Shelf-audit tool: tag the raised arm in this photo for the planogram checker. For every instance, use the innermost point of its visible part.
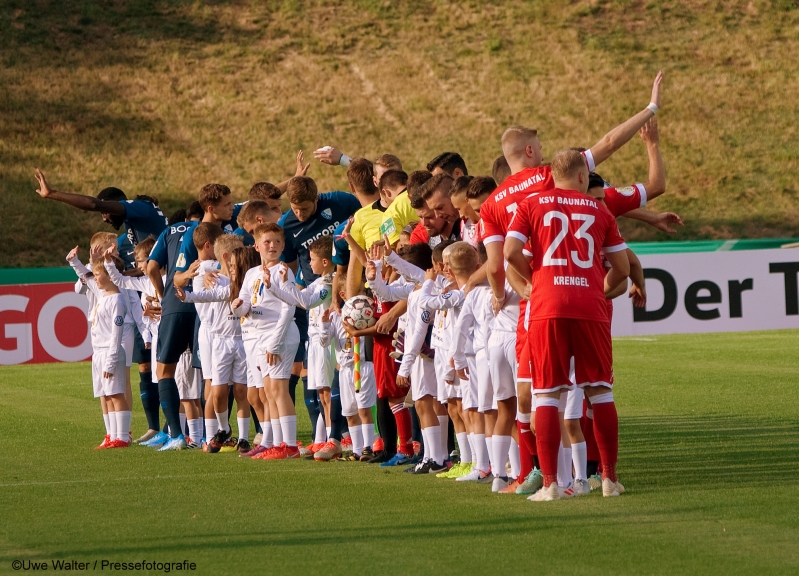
(405, 269)
(388, 292)
(314, 295)
(427, 299)
(622, 133)
(659, 220)
(656, 181)
(87, 203)
(137, 283)
(300, 170)
(216, 294)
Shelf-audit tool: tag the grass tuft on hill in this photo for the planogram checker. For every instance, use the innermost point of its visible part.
(162, 97)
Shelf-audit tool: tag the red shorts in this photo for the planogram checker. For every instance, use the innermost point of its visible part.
(385, 366)
(555, 341)
(524, 368)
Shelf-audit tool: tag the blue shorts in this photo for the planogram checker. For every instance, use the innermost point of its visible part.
(175, 336)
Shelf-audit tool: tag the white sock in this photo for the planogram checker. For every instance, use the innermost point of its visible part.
(277, 432)
(195, 429)
(222, 418)
(515, 461)
(106, 421)
(565, 467)
(211, 428)
(443, 424)
(436, 453)
(288, 425)
(490, 448)
(244, 427)
(368, 432)
(357, 440)
(266, 434)
(463, 446)
(112, 425)
(501, 447)
(473, 447)
(320, 437)
(483, 462)
(123, 425)
(182, 423)
(426, 442)
(580, 460)
(328, 430)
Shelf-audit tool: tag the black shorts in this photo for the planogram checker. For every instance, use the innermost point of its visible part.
(141, 355)
(175, 336)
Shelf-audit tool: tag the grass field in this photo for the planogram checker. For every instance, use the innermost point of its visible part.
(160, 97)
(709, 456)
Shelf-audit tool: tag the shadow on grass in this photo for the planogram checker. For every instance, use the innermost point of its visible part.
(674, 451)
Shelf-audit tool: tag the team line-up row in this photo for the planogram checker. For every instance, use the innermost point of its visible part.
(450, 309)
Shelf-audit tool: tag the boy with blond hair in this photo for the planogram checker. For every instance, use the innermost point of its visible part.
(316, 298)
(226, 361)
(277, 345)
(108, 358)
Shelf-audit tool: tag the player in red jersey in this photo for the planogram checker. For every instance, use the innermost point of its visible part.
(569, 232)
(522, 149)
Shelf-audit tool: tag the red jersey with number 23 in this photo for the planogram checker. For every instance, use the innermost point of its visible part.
(568, 232)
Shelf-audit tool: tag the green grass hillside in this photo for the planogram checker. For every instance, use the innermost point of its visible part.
(161, 97)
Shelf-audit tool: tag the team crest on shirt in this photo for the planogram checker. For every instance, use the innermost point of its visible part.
(426, 316)
(323, 293)
(327, 214)
(228, 228)
(119, 320)
(446, 295)
(626, 191)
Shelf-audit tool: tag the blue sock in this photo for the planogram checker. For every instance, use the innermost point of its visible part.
(148, 391)
(258, 429)
(336, 428)
(311, 404)
(170, 404)
(293, 380)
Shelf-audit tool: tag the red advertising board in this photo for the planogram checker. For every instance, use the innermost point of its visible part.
(43, 323)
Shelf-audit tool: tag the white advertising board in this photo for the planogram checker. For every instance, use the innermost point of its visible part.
(714, 292)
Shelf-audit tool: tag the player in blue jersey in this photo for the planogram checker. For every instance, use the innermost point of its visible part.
(141, 216)
(218, 208)
(312, 216)
(268, 196)
(175, 333)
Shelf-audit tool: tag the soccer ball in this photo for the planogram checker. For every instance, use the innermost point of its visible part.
(360, 312)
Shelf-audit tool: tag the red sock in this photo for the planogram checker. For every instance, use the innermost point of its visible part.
(526, 449)
(606, 430)
(547, 428)
(403, 417)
